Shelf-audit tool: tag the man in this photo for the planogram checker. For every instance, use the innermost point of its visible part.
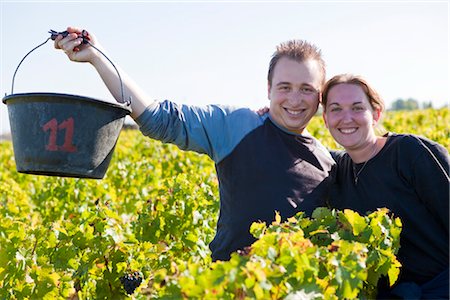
(264, 163)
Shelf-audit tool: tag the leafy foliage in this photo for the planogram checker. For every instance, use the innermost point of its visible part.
(333, 255)
(155, 212)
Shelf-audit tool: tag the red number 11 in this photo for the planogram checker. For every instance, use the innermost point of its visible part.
(53, 126)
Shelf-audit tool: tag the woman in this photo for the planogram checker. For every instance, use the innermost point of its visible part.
(403, 172)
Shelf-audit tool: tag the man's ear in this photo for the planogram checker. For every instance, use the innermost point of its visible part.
(268, 90)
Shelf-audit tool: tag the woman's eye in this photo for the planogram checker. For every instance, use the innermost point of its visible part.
(358, 108)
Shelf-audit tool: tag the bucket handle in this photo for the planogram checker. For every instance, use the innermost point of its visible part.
(54, 34)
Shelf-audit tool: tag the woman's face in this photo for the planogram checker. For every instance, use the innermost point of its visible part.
(349, 116)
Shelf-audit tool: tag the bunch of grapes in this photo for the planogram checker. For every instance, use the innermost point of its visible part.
(131, 281)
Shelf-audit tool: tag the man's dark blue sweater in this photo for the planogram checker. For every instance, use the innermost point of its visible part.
(261, 167)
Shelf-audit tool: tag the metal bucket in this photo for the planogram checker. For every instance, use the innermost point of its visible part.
(63, 135)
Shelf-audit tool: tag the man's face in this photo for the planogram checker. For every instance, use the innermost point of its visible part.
(294, 93)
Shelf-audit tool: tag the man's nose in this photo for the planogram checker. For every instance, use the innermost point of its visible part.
(295, 96)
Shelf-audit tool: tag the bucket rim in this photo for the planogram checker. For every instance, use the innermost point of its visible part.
(66, 97)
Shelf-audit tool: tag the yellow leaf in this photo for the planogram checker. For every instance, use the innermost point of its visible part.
(277, 218)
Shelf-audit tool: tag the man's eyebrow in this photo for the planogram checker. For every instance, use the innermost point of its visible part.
(334, 103)
(308, 85)
(283, 83)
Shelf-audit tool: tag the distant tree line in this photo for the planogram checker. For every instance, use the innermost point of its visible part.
(410, 104)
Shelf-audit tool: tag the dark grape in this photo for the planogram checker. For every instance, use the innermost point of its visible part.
(245, 251)
(131, 281)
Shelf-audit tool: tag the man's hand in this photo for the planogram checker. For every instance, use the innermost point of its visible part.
(75, 43)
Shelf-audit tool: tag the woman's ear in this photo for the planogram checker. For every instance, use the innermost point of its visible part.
(376, 114)
(324, 116)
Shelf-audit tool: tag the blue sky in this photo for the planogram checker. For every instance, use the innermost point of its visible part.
(202, 52)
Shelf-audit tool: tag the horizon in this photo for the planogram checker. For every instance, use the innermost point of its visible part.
(218, 52)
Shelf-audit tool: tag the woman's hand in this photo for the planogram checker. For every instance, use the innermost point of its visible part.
(262, 111)
(74, 48)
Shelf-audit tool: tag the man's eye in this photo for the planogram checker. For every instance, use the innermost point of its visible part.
(284, 88)
(307, 90)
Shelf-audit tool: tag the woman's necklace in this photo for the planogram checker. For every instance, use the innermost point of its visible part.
(356, 174)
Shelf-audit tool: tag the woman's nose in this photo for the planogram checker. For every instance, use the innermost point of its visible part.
(347, 116)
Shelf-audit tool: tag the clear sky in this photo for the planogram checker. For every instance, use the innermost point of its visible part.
(218, 52)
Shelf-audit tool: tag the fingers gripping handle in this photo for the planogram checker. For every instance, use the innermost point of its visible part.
(84, 35)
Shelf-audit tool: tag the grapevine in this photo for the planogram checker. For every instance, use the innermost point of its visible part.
(156, 211)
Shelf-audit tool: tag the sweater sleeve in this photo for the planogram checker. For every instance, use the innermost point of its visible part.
(337, 154)
(431, 181)
(213, 130)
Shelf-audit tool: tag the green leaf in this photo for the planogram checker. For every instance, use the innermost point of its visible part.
(357, 222)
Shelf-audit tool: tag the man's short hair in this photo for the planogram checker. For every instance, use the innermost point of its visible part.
(298, 50)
